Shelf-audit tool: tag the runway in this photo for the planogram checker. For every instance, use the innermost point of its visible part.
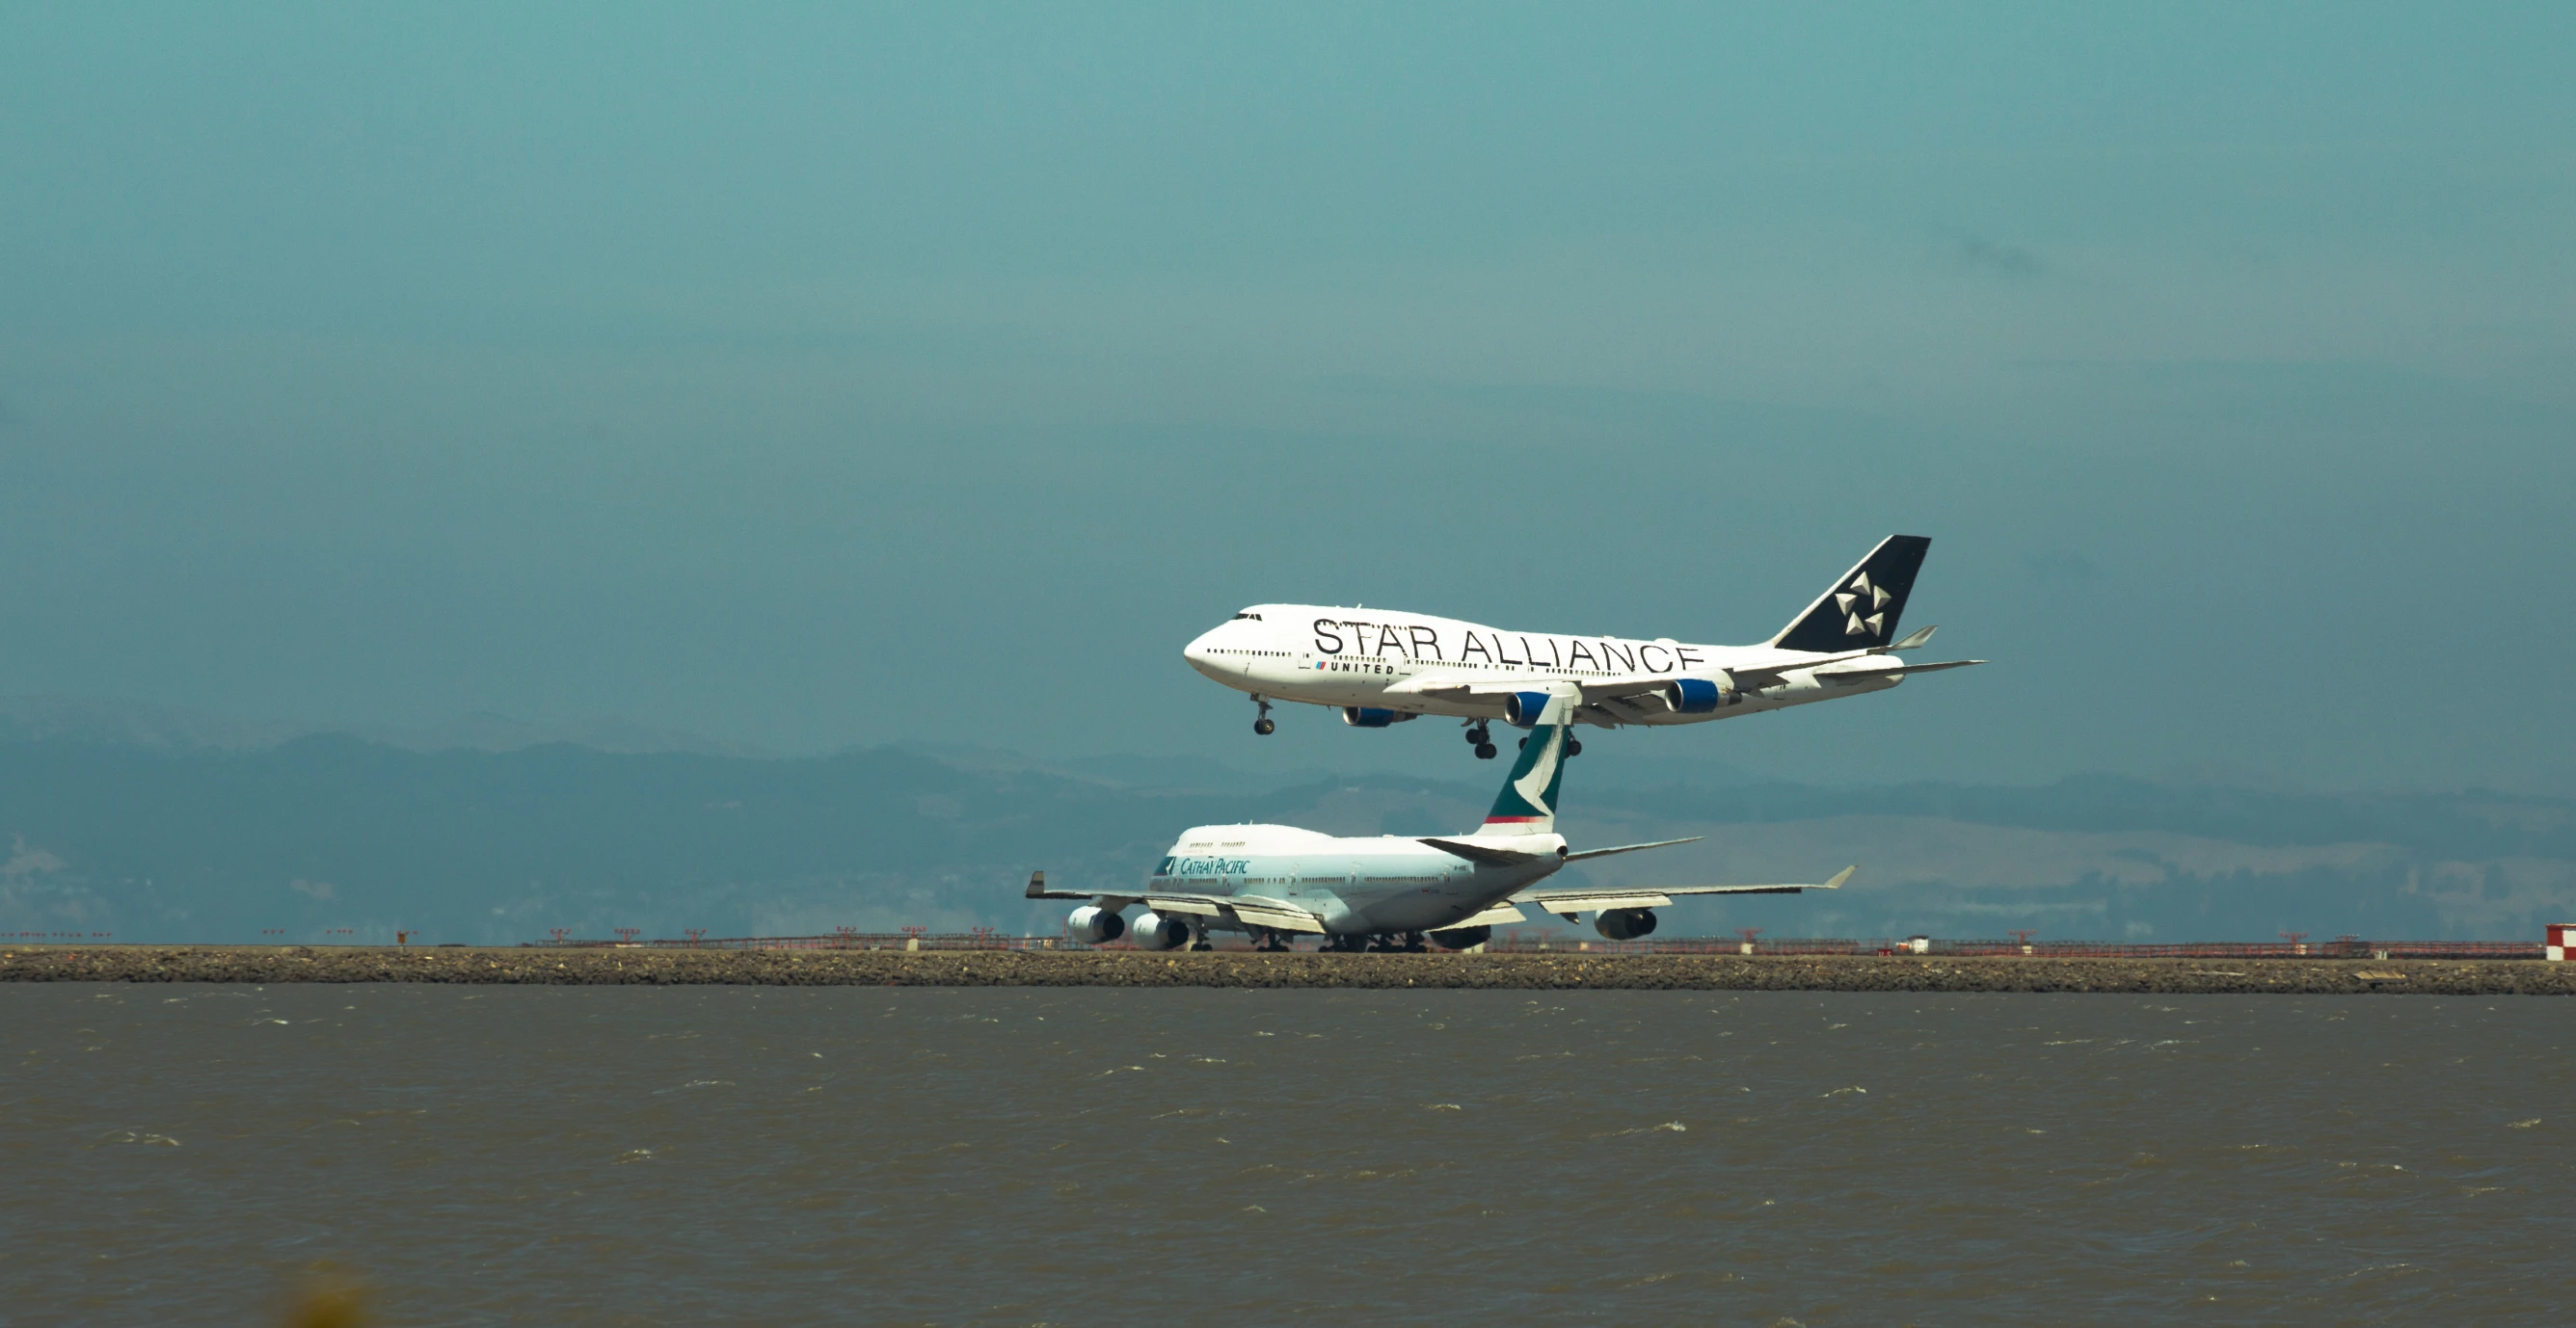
(549, 966)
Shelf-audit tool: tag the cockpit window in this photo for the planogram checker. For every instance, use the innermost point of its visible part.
(1253, 616)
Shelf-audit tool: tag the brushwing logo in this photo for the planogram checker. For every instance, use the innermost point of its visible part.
(1861, 596)
(1533, 786)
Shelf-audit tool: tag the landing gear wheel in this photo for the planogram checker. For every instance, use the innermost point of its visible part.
(1484, 751)
(1574, 747)
(1265, 726)
(1522, 743)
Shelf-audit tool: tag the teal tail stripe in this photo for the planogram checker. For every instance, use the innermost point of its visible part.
(1529, 795)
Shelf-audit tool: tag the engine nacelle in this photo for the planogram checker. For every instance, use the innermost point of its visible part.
(1625, 924)
(1462, 938)
(1156, 932)
(1094, 925)
(1522, 709)
(1370, 717)
(1700, 696)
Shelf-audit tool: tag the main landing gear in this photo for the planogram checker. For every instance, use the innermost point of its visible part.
(1401, 942)
(1265, 726)
(1481, 740)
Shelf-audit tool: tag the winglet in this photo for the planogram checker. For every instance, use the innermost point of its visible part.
(1844, 875)
(1038, 890)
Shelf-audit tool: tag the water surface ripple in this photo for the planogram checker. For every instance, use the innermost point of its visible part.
(1084, 1156)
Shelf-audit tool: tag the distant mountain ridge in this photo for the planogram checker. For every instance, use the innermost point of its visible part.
(167, 839)
(121, 722)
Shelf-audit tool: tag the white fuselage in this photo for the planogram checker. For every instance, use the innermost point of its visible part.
(1352, 658)
(1357, 886)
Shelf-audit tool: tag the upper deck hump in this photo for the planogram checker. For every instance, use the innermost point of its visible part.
(1258, 838)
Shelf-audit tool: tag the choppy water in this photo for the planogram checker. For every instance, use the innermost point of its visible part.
(693, 1155)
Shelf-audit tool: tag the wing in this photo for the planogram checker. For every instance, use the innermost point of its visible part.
(1571, 902)
(1848, 666)
(1455, 685)
(1244, 910)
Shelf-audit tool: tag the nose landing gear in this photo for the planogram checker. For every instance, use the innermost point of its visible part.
(1265, 726)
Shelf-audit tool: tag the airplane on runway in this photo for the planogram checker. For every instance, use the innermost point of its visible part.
(1276, 882)
(1380, 668)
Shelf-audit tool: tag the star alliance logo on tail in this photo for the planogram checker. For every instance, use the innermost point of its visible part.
(1860, 594)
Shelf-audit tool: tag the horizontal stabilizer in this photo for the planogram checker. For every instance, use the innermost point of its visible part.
(1482, 853)
(1945, 664)
(1858, 670)
(1630, 848)
(1586, 901)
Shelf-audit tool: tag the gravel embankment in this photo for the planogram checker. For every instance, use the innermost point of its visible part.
(1003, 968)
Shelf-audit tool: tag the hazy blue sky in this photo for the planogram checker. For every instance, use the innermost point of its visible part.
(806, 376)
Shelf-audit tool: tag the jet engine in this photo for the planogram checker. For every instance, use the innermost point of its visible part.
(1625, 924)
(1094, 925)
(1370, 717)
(1156, 932)
(1700, 696)
(1522, 709)
(1462, 938)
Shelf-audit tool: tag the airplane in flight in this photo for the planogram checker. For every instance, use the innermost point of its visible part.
(1380, 668)
(1388, 892)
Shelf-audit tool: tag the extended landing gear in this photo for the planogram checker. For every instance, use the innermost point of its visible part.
(1482, 741)
(1265, 726)
(1396, 942)
(1573, 745)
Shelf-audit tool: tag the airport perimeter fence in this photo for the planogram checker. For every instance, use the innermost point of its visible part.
(1559, 943)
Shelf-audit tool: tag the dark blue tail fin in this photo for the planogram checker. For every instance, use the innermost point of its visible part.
(1861, 609)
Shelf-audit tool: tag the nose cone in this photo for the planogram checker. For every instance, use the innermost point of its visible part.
(1201, 653)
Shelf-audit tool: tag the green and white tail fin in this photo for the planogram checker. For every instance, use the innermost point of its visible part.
(1527, 804)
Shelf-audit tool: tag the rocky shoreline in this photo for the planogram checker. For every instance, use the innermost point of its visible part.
(1134, 968)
